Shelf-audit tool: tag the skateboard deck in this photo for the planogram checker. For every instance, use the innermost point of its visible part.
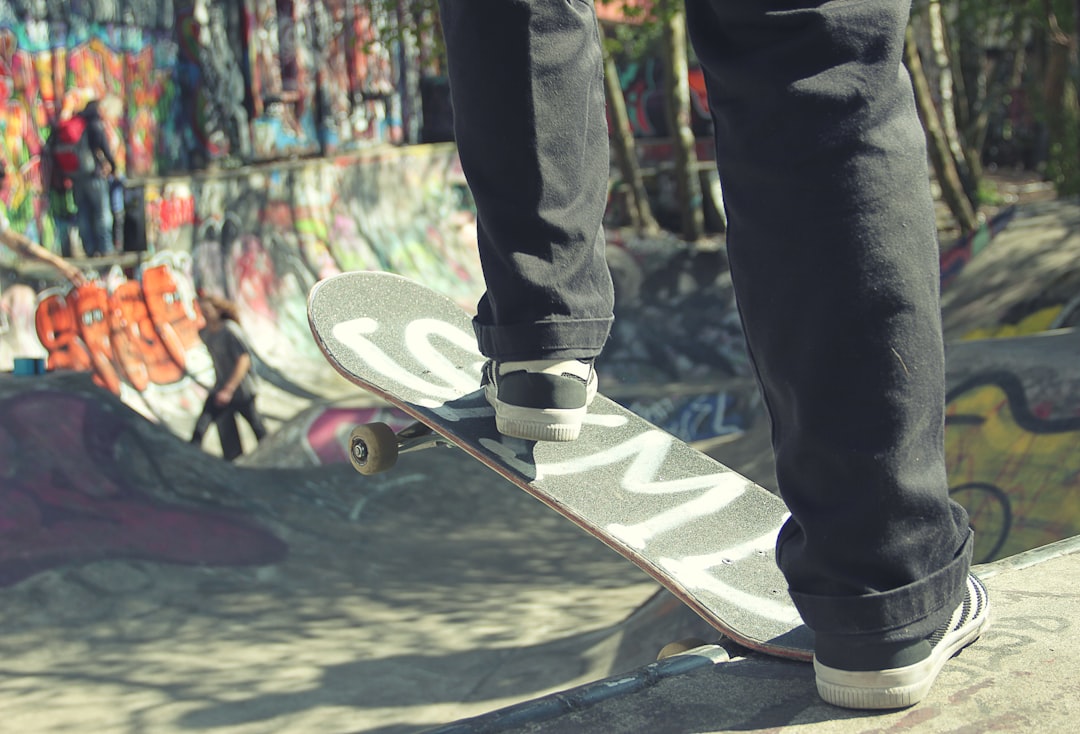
(700, 529)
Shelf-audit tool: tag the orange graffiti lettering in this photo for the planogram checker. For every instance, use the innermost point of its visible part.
(148, 359)
(169, 312)
(59, 334)
(91, 303)
(138, 333)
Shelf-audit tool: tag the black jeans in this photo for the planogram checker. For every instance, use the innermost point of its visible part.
(833, 253)
(224, 416)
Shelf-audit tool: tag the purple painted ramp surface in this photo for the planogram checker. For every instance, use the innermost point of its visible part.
(66, 495)
(700, 529)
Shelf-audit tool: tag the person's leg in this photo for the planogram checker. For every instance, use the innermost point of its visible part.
(526, 79)
(253, 417)
(116, 213)
(61, 207)
(84, 219)
(101, 215)
(228, 433)
(834, 258)
(206, 417)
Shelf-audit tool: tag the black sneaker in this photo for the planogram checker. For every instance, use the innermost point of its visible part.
(541, 400)
(897, 676)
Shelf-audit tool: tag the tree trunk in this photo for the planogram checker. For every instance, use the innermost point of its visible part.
(1055, 79)
(687, 183)
(952, 190)
(972, 77)
(940, 45)
(1061, 98)
(622, 143)
(1076, 66)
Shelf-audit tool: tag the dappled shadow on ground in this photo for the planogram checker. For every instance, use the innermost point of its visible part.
(1032, 264)
(406, 600)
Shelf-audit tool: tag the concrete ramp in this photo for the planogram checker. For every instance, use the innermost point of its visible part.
(81, 482)
(146, 585)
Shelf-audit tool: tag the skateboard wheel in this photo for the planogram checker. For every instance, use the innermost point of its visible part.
(373, 448)
(677, 648)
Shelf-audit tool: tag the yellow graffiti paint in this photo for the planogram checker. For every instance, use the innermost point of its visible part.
(1020, 483)
(1033, 323)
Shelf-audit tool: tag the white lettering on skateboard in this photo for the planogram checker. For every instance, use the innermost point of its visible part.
(697, 572)
(639, 535)
(647, 453)
(606, 421)
(644, 455)
(418, 335)
(694, 573)
(701, 573)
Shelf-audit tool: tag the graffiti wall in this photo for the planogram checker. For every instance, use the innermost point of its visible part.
(1012, 438)
(137, 334)
(260, 237)
(1012, 465)
(190, 84)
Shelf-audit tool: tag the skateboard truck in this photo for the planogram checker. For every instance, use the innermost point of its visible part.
(375, 447)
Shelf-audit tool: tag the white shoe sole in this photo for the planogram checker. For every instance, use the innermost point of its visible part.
(899, 687)
(540, 424)
(533, 424)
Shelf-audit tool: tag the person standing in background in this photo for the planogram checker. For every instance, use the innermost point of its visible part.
(82, 157)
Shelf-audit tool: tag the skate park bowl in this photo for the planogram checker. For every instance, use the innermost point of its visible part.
(148, 583)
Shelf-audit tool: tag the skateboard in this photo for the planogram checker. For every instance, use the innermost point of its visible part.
(700, 529)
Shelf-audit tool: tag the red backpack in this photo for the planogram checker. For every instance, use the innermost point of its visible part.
(72, 155)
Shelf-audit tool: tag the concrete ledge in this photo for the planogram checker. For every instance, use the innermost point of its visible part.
(1021, 676)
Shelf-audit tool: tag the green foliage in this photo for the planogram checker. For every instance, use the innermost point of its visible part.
(413, 23)
(626, 41)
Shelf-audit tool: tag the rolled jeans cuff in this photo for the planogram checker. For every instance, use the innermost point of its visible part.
(554, 339)
(904, 614)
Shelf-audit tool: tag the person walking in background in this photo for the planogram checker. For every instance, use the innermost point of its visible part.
(234, 385)
(27, 248)
(834, 259)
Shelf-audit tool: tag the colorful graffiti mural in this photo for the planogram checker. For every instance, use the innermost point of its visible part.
(260, 238)
(643, 84)
(192, 84)
(1014, 467)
